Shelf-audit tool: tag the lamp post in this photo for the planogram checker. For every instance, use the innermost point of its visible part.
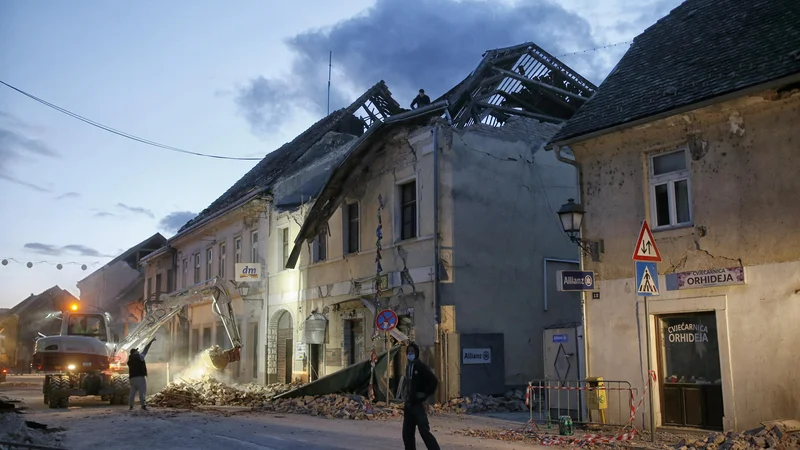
(571, 216)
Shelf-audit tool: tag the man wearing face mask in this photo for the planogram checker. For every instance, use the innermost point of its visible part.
(419, 385)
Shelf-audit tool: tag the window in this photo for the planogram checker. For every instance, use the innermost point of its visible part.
(352, 243)
(185, 276)
(254, 344)
(254, 248)
(321, 246)
(170, 280)
(149, 287)
(221, 268)
(195, 341)
(87, 325)
(158, 286)
(237, 250)
(408, 210)
(209, 263)
(206, 336)
(285, 246)
(196, 268)
(669, 189)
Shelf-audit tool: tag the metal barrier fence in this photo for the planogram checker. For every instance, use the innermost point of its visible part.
(609, 402)
(19, 446)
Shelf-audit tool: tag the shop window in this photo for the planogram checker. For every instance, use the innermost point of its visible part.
(691, 373)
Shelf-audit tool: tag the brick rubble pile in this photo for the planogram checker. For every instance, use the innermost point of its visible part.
(335, 406)
(208, 391)
(512, 401)
(778, 435)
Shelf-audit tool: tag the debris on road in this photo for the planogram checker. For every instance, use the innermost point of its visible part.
(502, 435)
(513, 401)
(14, 428)
(777, 434)
(208, 391)
(335, 406)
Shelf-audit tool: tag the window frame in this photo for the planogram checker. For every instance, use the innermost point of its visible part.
(347, 232)
(254, 247)
(197, 268)
(400, 185)
(185, 276)
(222, 256)
(322, 235)
(285, 251)
(237, 250)
(669, 179)
(209, 262)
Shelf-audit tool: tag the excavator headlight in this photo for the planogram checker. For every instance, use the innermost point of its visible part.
(71, 367)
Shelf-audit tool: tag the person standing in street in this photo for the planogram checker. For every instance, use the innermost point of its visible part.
(420, 384)
(137, 374)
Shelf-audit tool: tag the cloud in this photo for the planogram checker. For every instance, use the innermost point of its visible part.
(54, 250)
(68, 195)
(173, 221)
(437, 44)
(136, 210)
(103, 214)
(16, 146)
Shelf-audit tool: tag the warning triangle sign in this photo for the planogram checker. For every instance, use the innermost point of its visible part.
(647, 285)
(646, 249)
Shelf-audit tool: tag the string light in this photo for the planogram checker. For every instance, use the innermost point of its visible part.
(59, 265)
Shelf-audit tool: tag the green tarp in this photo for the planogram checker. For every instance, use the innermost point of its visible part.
(352, 380)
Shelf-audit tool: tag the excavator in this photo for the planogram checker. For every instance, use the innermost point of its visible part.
(83, 361)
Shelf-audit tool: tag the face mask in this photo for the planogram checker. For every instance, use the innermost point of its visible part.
(411, 357)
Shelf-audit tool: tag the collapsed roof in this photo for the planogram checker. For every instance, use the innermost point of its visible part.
(375, 105)
(522, 80)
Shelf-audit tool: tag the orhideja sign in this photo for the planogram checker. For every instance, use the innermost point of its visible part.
(705, 278)
(687, 332)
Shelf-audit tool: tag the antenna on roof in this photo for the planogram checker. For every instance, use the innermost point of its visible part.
(330, 65)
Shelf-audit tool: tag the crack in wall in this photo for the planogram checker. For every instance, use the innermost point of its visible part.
(697, 247)
(681, 264)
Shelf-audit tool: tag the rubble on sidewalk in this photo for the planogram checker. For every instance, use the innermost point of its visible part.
(14, 428)
(208, 391)
(512, 401)
(783, 434)
(335, 406)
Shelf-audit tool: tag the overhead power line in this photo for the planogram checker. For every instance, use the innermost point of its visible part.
(122, 133)
(594, 49)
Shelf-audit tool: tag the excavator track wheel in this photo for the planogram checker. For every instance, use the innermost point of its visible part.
(121, 386)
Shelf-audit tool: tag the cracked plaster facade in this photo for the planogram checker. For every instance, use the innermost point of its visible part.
(496, 227)
(744, 180)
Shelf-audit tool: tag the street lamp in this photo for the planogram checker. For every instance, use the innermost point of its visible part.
(571, 216)
(243, 288)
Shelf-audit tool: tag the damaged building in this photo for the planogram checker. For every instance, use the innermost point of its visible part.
(444, 215)
(228, 243)
(696, 131)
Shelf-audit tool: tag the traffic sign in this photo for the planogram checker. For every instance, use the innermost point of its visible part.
(646, 279)
(386, 320)
(646, 249)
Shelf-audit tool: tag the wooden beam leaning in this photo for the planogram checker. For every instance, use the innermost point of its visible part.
(528, 81)
(522, 112)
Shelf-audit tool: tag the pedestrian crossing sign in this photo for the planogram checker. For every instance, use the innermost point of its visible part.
(646, 279)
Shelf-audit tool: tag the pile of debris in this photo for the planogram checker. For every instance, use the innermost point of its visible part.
(13, 428)
(335, 406)
(208, 391)
(512, 401)
(778, 434)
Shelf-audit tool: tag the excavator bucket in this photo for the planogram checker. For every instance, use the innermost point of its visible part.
(219, 359)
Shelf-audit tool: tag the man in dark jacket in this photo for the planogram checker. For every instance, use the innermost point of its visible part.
(420, 100)
(137, 374)
(419, 385)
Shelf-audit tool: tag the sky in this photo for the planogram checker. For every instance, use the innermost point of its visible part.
(234, 79)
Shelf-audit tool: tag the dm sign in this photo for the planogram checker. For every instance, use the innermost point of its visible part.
(476, 356)
(575, 280)
(247, 272)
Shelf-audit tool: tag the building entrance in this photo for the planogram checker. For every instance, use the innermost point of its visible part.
(691, 384)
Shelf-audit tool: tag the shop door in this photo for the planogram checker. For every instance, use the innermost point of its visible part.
(691, 387)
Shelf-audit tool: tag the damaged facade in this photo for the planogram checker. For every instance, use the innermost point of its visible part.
(704, 147)
(462, 194)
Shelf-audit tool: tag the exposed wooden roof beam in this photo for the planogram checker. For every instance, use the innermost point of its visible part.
(528, 81)
(522, 112)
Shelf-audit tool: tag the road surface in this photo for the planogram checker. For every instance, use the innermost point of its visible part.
(90, 423)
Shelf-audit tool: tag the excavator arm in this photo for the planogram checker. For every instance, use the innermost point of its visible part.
(160, 311)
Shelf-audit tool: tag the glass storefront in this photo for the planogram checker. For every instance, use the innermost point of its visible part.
(690, 370)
